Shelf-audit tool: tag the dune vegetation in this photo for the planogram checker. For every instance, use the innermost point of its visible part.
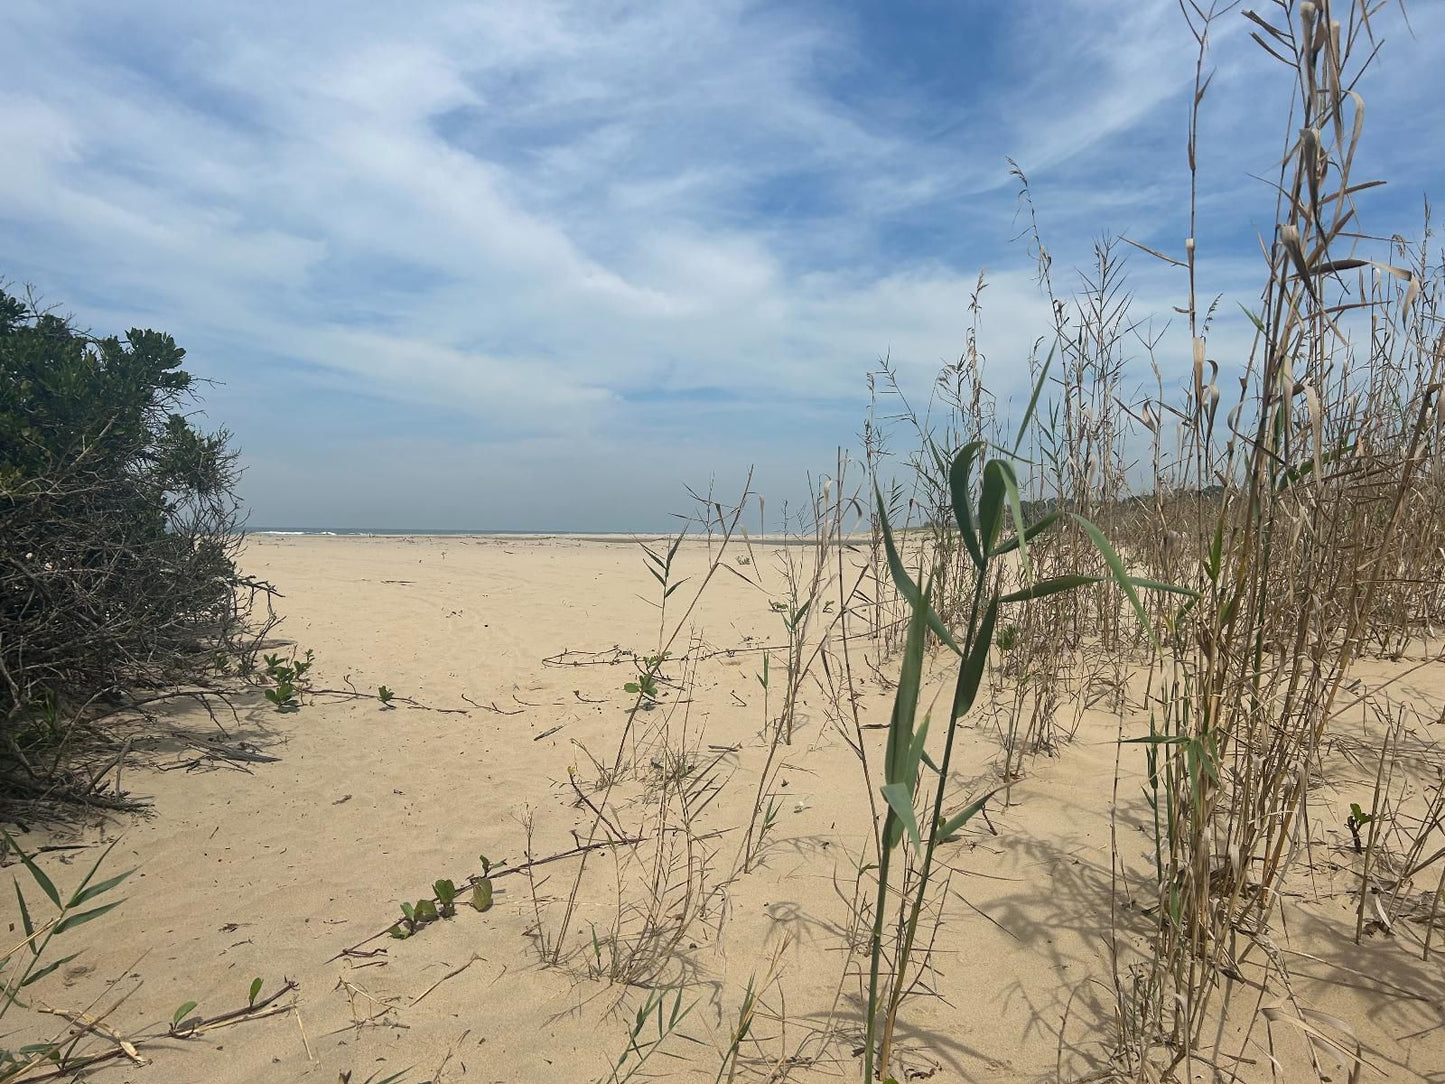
(1192, 607)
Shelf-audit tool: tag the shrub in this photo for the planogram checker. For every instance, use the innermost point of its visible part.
(118, 530)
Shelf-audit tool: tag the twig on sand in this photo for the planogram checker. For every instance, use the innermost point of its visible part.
(449, 975)
(94, 1026)
(130, 1048)
(492, 707)
(355, 694)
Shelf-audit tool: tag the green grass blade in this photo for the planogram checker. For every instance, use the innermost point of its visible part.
(69, 922)
(899, 797)
(1034, 399)
(916, 752)
(970, 672)
(960, 481)
(25, 920)
(906, 587)
(958, 820)
(1050, 587)
(1031, 532)
(1016, 510)
(990, 504)
(36, 976)
(1122, 578)
(37, 874)
(905, 702)
(83, 895)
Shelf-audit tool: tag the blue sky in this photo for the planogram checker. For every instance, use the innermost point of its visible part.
(541, 265)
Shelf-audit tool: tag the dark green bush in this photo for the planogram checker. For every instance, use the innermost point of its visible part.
(118, 531)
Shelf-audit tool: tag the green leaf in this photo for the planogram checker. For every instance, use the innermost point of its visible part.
(482, 894)
(36, 873)
(906, 587)
(181, 1013)
(916, 752)
(1116, 566)
(25, 920)
(1216, 552)
(1031, 532)
(990, 504)
(36, 976)
(899, 797)
(84, 891)
(970, 673)
(959, 485)
(905, 702)
(1016, 511)
(255, 989)
(958, 820)
(84, 895)
(73, 920)
(1050, 587)
(1034, 399)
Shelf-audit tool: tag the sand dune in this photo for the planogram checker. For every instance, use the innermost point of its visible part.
(276, 871)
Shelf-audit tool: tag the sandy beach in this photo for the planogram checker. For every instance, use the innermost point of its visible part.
(514, 707)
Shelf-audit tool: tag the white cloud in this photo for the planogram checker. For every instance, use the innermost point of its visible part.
(530, 213)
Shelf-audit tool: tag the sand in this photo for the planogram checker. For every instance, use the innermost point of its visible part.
(273, 872)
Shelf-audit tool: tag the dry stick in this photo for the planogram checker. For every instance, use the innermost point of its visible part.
(1351, 640)
(1375, 815)
(251, 1012)
(449, 975)
(88, 1023)
(234, 1015)
(353, 694)
(521, 867)
(1434, 910)
(301, 1027)
(843, 609)
(616, 832)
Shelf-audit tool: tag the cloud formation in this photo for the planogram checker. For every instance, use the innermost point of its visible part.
(533, 264)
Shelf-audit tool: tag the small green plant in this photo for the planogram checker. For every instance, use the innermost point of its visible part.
(980, 522)
(386, 696)
(646, 683)
(70, 912)
(181, 1014)
(639, 1049)
(1007, 638)
(446, 894)
(482, 889)
(740, 1032)
(253, 993)
(1357, 819)
(288, 677)
(413, 917)
(770, 821)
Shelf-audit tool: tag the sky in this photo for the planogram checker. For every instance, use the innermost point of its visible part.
(545, 266)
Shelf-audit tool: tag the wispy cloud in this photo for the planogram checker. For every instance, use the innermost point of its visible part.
(569, 238)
